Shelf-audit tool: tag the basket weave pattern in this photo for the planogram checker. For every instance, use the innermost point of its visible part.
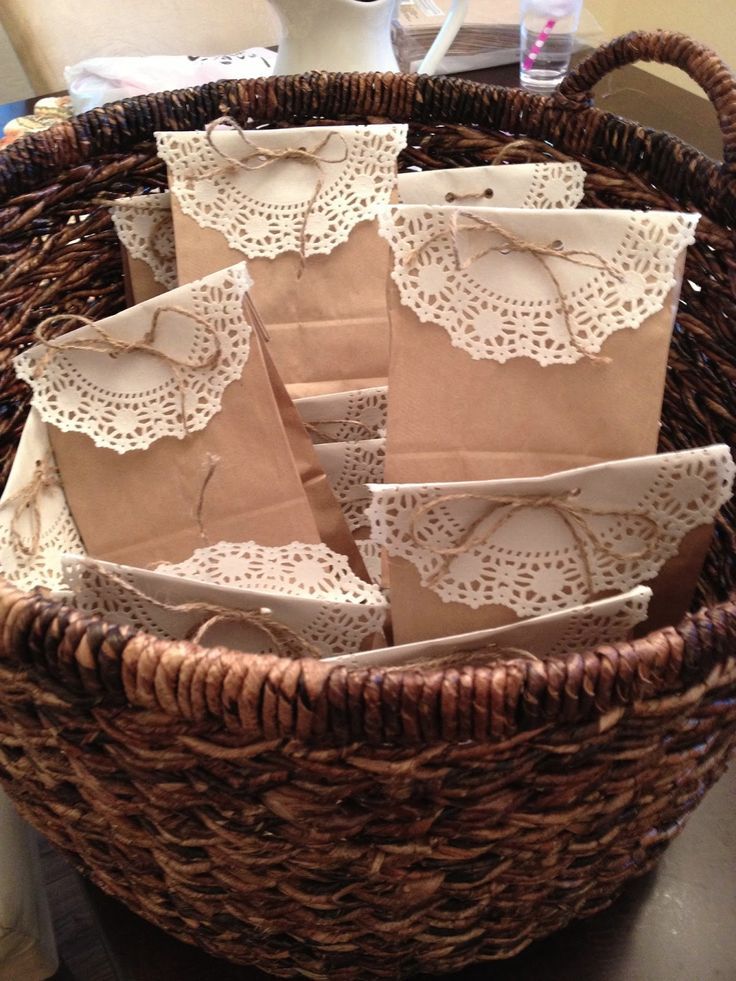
(356, 824)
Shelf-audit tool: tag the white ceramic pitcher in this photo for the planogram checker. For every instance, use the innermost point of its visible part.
(349, 36)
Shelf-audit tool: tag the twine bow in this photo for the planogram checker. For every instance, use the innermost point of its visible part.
(45, 477)
(282, 638)
(106, 343)
(259, 157)
(576, 517)
(513, 243)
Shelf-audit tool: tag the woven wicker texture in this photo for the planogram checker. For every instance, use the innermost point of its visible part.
(351, 825)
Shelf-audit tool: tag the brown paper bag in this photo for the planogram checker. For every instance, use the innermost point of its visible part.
(546, 363)
(146, 232)
(304, 220)
(477, 555)
(144, 482)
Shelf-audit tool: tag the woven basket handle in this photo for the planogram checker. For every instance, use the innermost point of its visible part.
(668, 48)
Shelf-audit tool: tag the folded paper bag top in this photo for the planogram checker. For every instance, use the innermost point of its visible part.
(548, 285)
(345, 416)
(549, 635)
(145, 228)
(550, 330)
(466, 556)
(533, 185)
(300, 205)
(35, 523)
(305, 589)
(257, 187)
(166, 430)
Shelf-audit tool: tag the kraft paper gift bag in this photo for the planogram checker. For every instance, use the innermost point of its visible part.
(533, 185)
(166, 431)
(36, 526)
(348, 416)
(527, 342)
(549, 635)
(309, 606)
(300, 205)
(471, 556)
(146, 231)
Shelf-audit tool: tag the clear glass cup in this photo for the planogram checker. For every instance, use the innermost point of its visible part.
(546, 42)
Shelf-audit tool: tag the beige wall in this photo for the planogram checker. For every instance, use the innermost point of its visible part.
(14, 82)
(711, 21)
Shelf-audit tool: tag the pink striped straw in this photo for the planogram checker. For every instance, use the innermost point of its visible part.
(528, 62)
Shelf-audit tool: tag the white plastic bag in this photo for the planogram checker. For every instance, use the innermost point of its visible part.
(97, 81)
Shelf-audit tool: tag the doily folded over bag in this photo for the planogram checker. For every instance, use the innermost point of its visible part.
(533, 185)
(549, 635)
(241, 597)
(510, 549)
(145, 227)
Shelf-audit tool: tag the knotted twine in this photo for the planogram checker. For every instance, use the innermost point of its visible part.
(513, 243)
(576, 517)
(259, 157)
(45, 477)
(286, 641)
(107, 343)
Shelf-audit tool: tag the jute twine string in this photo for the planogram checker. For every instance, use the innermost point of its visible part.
(210, 466)
(282, 638)
(451, 197)
(27, 499)
(477, 657)
(513, 243)
(259, 157)
(316, 427)
(576, 517)
(107, 343)
(510, 148)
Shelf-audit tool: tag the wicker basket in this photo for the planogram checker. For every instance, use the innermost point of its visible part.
(358, 824)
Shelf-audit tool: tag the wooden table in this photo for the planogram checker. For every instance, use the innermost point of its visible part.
(675, 924)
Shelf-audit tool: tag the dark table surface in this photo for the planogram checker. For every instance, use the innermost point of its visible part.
(676, 924)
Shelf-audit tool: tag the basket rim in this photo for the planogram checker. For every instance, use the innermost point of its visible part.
(661, 157)
(83, 659)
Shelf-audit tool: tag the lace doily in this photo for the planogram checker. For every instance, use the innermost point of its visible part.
(349, 467)
(533, 560)
(579, 628)
(145, 227)
(57, 532)
(504, 306)
(355, 415)
(294, 570)
(535, 185)
(371, 553)
(261, 211)
(332, 627)
(128, 402)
